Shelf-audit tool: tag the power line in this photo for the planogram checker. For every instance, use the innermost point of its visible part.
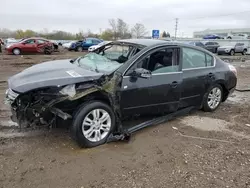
(176, 27)
(212, 16)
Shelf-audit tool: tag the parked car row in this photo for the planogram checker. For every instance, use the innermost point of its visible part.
(230, 49)
(229, 36)
(84, 44)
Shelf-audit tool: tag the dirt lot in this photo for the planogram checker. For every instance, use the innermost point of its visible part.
(199, 150)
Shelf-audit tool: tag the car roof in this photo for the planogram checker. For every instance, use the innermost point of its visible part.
(144, 42)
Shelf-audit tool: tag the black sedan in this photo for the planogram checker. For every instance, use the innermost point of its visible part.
(123, 78)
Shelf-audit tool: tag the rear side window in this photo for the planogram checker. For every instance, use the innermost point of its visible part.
(210, 60)
(193, 58)
(40, 41)
(88, 41)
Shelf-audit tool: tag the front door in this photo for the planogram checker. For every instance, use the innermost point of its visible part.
(158, 94)
(198, 68)
(29, 46)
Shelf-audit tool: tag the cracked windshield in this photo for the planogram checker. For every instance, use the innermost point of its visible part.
(125, 94)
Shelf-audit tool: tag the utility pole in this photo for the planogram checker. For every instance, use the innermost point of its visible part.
(176, 27)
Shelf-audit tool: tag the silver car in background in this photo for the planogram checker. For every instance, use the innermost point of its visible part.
(94, 47)
(232, 48)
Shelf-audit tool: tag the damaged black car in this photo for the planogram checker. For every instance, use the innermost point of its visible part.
(121, 79)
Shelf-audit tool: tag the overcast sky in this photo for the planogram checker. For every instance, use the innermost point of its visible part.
(73, 15)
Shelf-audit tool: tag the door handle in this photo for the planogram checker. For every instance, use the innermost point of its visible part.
(174, 84)
(210, 75)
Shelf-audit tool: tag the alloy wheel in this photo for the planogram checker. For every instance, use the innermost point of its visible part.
(214, 98)
(96, 125)
(16, 51)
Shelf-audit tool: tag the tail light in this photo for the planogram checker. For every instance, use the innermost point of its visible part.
(233, 69)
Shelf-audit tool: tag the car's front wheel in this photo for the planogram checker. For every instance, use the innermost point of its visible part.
(92, 124)
(16, 51)
(212, 98)
(232, 52)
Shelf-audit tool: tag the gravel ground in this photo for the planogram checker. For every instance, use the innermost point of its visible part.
(198, 150)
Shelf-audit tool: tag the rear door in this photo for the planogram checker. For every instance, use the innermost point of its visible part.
(158, 94)
(239, 47)
(41, 45)
(198, 76)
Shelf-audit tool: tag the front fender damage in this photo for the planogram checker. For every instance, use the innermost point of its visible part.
(39, 108)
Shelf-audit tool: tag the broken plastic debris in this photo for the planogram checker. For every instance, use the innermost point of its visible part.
(248, 125)
(175, 128)
(69, 90)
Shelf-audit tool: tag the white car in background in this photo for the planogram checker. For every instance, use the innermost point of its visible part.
(67, 45)
(237, 36)
(92, 48)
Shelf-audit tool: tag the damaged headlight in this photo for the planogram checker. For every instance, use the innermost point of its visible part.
(69, 90)
(11, 95)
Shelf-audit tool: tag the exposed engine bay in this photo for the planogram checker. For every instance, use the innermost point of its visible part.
(44, 106)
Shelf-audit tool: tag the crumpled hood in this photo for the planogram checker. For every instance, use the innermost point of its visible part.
(51, 73)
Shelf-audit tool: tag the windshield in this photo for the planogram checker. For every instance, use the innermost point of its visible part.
(98, 63)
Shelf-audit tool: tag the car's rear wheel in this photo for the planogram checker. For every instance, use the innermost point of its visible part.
(92, 124)
(244, 52)
(212, 98)
(79, 49)
(232, 52)
(16, 51)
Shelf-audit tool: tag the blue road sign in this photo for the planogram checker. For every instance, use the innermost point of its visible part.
(155, 33)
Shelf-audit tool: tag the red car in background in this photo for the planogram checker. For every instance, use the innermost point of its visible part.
(30, 45)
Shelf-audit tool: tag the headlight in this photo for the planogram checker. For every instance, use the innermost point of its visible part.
(11, 96)
(8, 45)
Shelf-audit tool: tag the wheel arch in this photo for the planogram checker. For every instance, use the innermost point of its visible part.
(225, 90)
(16, 48)
(72, 106)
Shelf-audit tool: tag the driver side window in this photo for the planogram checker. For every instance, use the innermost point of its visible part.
(164, 60)
(31, 41)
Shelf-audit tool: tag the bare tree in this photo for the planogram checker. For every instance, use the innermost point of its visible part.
(139, 30)
(113, 25)
(120, 29)
(123, 29)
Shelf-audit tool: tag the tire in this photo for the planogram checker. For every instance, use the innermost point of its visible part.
(216, 92)
(215, 50)
(16, 51)
(244, 52)
(79, 49)
(232, 52)
(83, 116)
(229, 37)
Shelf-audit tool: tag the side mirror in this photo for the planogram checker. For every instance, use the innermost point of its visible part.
(72, 60)
(141, 73)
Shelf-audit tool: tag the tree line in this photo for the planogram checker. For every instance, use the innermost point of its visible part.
(118, 29)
